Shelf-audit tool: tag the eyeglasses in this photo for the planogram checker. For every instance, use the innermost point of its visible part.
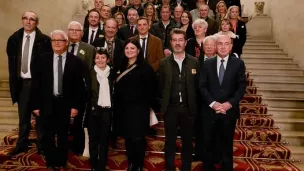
(74, 30)
(100, 48)
(58, 40)
(29, 19)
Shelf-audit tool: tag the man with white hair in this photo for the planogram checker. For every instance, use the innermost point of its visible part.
(86, 53)
(56, 98)
(212, 24)
(209, 44)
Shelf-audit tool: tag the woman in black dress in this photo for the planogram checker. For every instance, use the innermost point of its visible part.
(134, 96)
(186, 24)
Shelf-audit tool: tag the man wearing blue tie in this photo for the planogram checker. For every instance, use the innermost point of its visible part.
(222, 85)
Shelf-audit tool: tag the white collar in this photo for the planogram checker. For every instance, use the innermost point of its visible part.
(177, 59)
(145, 36)
(32, 34)
(225, 58)
(63, 55)
(95, 29)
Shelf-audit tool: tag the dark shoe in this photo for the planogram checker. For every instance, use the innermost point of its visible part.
(50, 169)
(62, 169)
(130, 168)
(17, 150)
(139, 169)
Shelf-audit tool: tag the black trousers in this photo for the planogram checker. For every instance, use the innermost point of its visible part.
(99, 128)
(178, 116)
(218, 137)
(78, 133)
(135, 148)
(24, 113)
(56, 152)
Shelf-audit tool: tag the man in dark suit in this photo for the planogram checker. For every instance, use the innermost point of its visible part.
(97, 4)
(178, 86)
(57, 97)
(222, 85)
(212, 24)
(23, 49)
(136, 4)
(94, 31)
(129, 30)
(163, 27)
(151, 45)
(111, 43)
(118, 7)
(86, 53)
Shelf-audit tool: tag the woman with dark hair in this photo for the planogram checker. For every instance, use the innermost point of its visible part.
(135, 89)
(150, 13)
(186, 21)
(238, 27)
(99, 109)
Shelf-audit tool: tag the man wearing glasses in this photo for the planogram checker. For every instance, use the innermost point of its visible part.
(57, 97)
(86, 53)
(23, 49)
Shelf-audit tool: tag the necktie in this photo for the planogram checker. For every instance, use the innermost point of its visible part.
(73, 48)
(92, 37)
(110, 49)
(143, 46)
(24, 63)
(222, 71)
(132, 29)
(60, 74)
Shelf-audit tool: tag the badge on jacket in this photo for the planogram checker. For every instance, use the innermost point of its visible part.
(193, 71)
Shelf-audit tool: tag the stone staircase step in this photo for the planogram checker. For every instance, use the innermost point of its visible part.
(299, 165)
(276, 77)
(289, 124)
(4, 92)
(259, 40)
(294, 138)
(259, 47)
(263, 59)
(286, 92)
(277, 70)
(263, 51)
(8, 124)
(284, 102)
(271, 64)
(297, 152)
(4, 83)
(259, 43)
(286, 113)
(8, 112)
(266, 55)
(5, 101)
(282, 85)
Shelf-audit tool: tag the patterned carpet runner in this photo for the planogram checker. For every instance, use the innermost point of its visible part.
(257, 145)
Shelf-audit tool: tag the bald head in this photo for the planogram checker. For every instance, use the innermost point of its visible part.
(224, 45)
(29, 21)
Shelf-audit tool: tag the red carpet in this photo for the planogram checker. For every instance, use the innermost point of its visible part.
(256, 145)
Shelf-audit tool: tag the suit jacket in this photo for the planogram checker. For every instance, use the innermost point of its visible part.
(232, 88)
(85, 37)
(72, 84)
(118, 51)
(42, 44)
(165, 82)
(240, 41)
(124, 33)
(154, 51)
(86, 53)
(191, 49)
(213, 26)
(158, 29)
(116, 9)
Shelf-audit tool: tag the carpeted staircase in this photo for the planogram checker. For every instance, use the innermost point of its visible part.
(258, 141)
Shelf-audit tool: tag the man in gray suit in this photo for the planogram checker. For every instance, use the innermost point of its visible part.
(86, 53)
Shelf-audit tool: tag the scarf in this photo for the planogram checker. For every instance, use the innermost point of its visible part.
(104, 99)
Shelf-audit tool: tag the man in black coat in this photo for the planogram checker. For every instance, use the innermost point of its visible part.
(222, 85)
(110, 42)
(23, 49)
(178, 80)
(129, 30)
(97, 4)
(56, 98)
(94, 30)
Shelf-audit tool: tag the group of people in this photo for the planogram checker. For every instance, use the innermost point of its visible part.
(107, 78)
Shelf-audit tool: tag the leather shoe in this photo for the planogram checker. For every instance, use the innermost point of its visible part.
(62, 169)
(17, 150)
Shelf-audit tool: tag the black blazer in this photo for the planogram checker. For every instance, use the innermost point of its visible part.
(158, 29)
(85, 37)
(73, 83)
(118, 50)
(165, 81)
(240, 41)
(232, 88)
(42, 44)
(124, 33)
(190, 49)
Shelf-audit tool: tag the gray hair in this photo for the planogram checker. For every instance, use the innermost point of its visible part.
(210, 38)
(204, 5)
(200, 21)
(59, 32)
(75, 23)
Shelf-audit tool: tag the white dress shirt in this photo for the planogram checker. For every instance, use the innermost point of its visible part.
(32, 39)
(179, 62)
(146, 42)
(55, 70)
(75, 48)
(90, 33)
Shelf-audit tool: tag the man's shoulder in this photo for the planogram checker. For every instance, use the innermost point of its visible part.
(154, 38)
(17, 34)
(86, 45)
